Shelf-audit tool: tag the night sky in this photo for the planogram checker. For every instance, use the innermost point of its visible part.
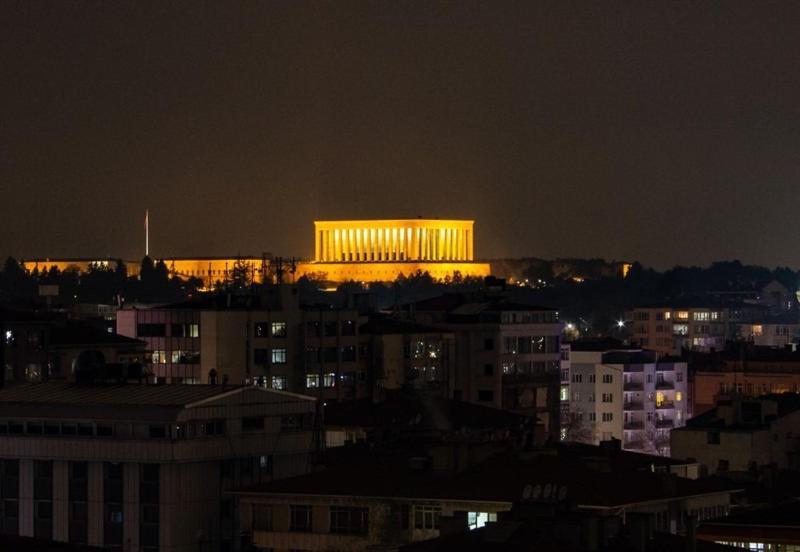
(666, 132)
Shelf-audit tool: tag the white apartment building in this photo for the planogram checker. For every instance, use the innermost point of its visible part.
(624, 394)
(143, 468)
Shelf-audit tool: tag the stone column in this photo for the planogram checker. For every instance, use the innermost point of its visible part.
(469, 245)
(316, 245)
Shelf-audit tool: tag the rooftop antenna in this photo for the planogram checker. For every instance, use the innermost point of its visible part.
(146, 232)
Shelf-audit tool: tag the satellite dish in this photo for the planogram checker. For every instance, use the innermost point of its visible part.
(527, 490)
(548, 488)
(537, 492)
(562, 492)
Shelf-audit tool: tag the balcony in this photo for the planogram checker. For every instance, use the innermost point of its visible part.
(665, 385)
(633, 405)
(633, 386)
(665, 405)
(665, 367)
(634, 425)
(665, 423)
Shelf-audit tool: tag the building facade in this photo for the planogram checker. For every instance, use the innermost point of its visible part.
(273, 343)
(624, 394)
(507, 355)
(381, 250)
(143, 468)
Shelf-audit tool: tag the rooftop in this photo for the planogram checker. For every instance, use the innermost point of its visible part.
(501, 478)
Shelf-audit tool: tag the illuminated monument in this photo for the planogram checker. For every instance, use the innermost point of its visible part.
(380, 250)
(357, 250)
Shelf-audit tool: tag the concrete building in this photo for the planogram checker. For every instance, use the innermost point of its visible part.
(745, 371)
(380, 250)
(41, 347)
(625, 394)
(401, 354)
(268, 340)
(353, 505)
(740, 435)
(697, 327)
(508, 355)
(772, 331)
(143, 468)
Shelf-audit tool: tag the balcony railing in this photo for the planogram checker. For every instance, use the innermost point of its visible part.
(634, 425)
(665, 423)
(633, 386)
(633, 405)
(663, 405)
(665, 385)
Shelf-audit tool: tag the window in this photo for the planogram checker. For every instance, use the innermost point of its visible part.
(185, 330)
(488, 369)
(678, 396)
(488, 344)
(680, 329)
(278, 356)
(313, 329)
(348, 327)
(312, 381)
(608, 416)
(280, 383)
(330, 354)
(329, 380)
(679, 376)
(577, 378)
(700, 316)
(426, 517)
(591, 378)
(476, 520)
(608, 397)
(349, 353)
(260, 329)
(299, 518)
(608, 378)
(278, 329)
(485, 395)
(159, 357)
(576, 396)
(253, 423)
(151, 330)
(682, 315)
(564, 393)
(592, 417)
(331, 329)
(349, 520)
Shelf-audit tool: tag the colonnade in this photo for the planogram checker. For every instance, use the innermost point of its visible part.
(393, 242)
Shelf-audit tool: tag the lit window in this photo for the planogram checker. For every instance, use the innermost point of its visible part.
(659, 398)
(476, 520)
(278, 329)
(700, 316)
(278, 356)
(312, 381)
(678, 396)
(680, 329)
(757, 330)
(682, 315)
(280, 382)
(565, 393)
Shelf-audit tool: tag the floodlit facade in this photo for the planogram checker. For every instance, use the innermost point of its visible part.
(381, 250)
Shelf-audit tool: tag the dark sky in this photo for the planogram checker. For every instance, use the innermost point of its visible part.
(661, 131)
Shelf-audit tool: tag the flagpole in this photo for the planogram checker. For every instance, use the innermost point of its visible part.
(146, 232)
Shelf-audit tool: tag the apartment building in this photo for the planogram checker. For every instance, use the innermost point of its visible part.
(455, 488)
(507, 354)
(772, 331)
(396, 353)
(624, 394)
(744, 371)
(743, 434)
(38, 347)
(142, 467)
(270, 340)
